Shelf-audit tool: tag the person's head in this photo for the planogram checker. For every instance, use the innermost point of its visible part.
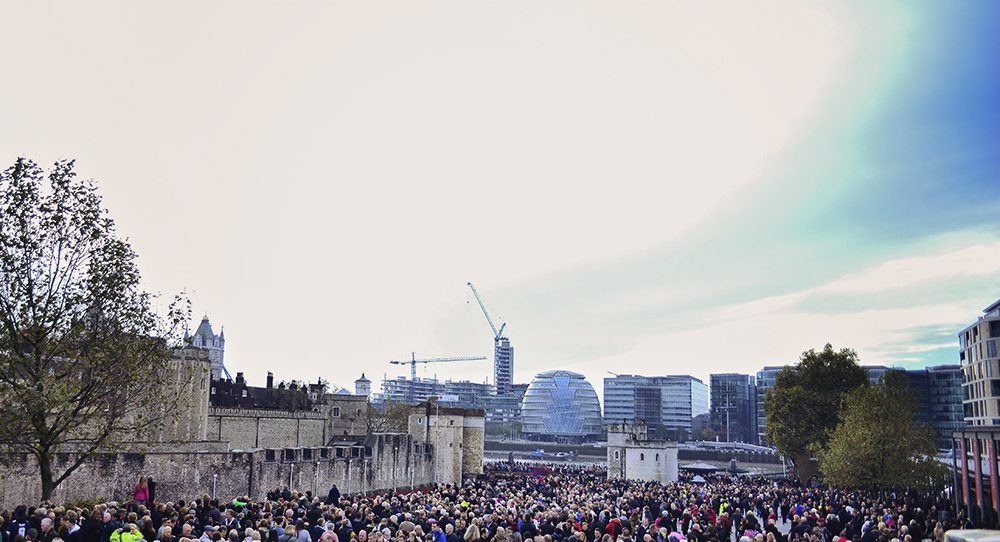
(142, 481)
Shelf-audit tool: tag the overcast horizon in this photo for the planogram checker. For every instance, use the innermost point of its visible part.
(642, 188)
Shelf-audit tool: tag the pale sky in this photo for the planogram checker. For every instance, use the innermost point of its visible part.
(641, 187)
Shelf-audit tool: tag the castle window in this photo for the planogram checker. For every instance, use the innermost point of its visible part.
(289, 454)
(269, 456)
(213, 390)
(451, 422)
(244, 393)
(642, 457)
(657, 457)
(336, 412)
(307, 454)
(324, 453)
(358, 413)
(617, 454)
(355, 452)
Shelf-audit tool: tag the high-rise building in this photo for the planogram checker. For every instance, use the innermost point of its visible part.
(764, 381)
(503, 365)
(667, 404)
(944, 402)
(204, 337)
(980, 358)
(734, 407)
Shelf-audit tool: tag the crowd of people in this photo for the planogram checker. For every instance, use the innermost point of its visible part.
(510, 502)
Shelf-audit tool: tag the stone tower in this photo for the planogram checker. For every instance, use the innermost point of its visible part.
(189, 386)
(205, 338)
(363, 386)
(457, 438)
(633, 456)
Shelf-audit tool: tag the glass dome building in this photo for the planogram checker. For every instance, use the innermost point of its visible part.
(560, 405)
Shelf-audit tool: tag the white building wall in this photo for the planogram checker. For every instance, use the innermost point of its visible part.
(651, 464)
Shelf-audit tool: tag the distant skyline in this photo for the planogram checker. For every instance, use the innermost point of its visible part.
(646, 188)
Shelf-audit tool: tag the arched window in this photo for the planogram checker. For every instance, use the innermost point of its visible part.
(617, 454)
(657, 457)
(642, 457)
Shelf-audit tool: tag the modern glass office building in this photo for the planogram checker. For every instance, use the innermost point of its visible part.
(560, 405)
(667, 404)
(734, 407)
(764, 381)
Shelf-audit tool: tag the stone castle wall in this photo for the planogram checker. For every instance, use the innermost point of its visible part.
(458, 436)
(386, 462)
(248, 428)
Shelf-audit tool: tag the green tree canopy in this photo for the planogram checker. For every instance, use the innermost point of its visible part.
(82, 352)
(877, 445)
(803, 407)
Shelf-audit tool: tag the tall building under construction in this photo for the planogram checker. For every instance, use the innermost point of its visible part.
(503, 365)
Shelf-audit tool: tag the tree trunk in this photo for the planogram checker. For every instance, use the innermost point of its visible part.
(45, 469)
(805, 468)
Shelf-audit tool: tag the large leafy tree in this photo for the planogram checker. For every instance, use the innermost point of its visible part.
(83, 354)
(877, 445)
(803, 407)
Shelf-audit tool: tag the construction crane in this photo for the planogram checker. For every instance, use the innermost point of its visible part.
(502, 376)
(413, 361)
(497, 333)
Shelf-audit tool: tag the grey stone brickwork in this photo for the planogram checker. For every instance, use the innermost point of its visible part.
(248, 428)
(385, 462)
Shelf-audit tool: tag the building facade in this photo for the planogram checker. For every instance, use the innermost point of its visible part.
(976, 482)
(363, 386)
(503, 365)
(944, 402)
(979, 354)
(632, 455)
(666, 404)
(562, 406)
(764, 381)
(503, 412)
(205, 338)
(734, 407)
(461, 393)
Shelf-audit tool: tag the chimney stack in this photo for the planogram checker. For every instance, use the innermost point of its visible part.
(270, 380)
